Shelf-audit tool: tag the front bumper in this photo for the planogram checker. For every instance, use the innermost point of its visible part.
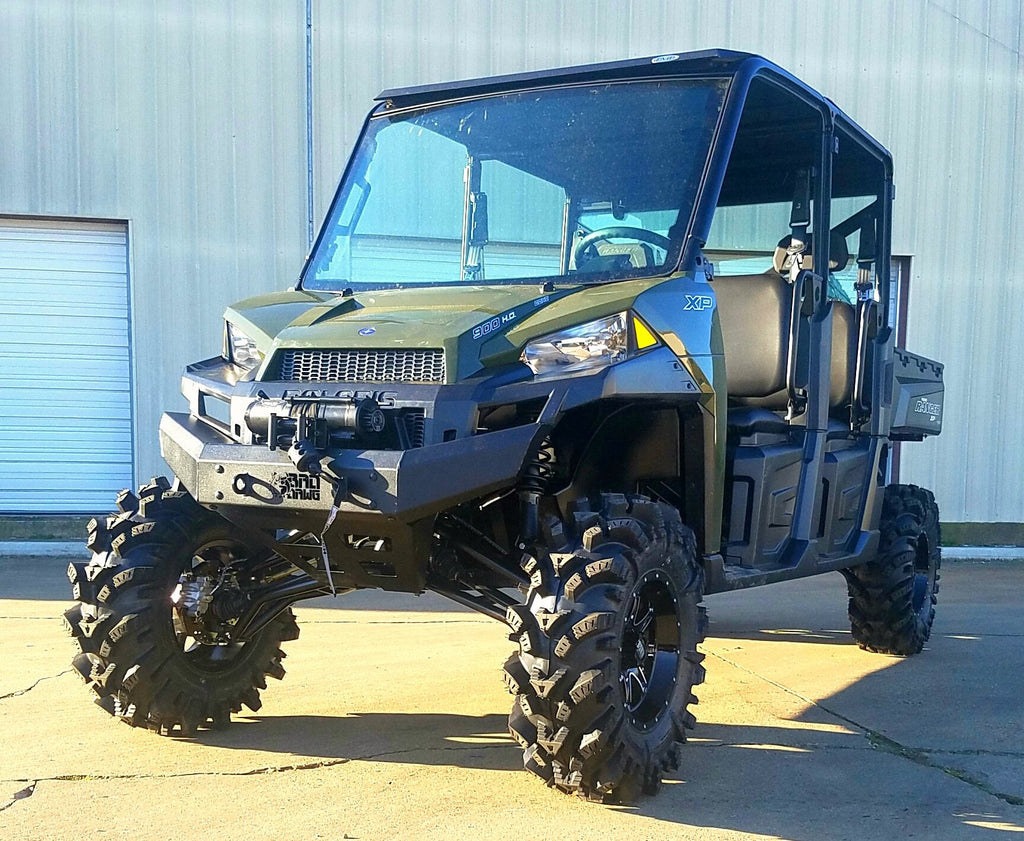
(405, 485)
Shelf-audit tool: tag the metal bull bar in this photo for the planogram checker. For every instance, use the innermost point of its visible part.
(305, 425)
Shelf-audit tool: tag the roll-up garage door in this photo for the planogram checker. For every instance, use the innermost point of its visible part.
(65, 385)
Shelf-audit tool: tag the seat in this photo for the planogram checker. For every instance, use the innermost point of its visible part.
(844, 316)
(750, 420)
(844, 354)
(838, 257)
(754, 315)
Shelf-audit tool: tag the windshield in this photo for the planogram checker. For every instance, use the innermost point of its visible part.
(581, 184)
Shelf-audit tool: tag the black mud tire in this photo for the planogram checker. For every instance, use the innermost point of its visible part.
(892, 598)
(131, 655)
(615, 596)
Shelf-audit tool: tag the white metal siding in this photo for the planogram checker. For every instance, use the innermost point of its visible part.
(939, 82)
(189, 118)
(65, 389)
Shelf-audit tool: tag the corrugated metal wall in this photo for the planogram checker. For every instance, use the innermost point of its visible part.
(940, 82)
(189, 119)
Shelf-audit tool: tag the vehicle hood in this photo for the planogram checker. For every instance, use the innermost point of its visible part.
(393, 318)
(469, 323)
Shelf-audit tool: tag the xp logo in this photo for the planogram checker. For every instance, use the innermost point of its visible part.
(367, 331)
(698, 302)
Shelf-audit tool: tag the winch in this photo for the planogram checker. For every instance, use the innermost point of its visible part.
(281, 421)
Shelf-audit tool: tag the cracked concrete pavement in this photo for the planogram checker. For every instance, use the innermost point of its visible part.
(391, 724)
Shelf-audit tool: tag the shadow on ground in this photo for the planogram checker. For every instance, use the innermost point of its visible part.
(850, 759)
(754, 780)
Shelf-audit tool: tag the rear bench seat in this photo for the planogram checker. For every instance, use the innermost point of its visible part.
(754, 313)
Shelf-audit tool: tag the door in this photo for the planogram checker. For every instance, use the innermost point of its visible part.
(65, 384)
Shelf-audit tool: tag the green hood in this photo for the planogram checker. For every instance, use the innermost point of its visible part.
(470, 323)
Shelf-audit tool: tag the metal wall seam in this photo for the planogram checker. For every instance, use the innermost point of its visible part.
(309, 124)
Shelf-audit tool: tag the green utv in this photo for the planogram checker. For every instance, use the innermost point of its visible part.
(574, 349)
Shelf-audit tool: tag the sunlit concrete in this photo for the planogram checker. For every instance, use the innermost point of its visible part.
(391, 724)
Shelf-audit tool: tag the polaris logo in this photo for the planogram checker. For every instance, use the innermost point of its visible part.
(698, 303)
(385, 399)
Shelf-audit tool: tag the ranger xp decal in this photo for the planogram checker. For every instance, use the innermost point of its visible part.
(929, 406)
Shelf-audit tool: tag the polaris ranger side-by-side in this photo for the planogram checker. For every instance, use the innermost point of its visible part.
(573, 349)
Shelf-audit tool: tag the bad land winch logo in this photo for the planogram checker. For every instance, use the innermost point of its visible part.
(297, 486)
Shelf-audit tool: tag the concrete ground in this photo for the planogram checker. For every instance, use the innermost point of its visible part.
(391, 724)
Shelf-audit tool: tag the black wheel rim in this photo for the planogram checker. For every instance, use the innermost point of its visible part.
(650, 650)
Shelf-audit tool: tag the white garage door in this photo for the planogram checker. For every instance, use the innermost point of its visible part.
(65, 387)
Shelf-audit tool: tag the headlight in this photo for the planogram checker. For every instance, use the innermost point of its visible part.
(240, 349)
(586, 347)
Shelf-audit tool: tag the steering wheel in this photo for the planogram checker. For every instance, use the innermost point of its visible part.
(614, 231)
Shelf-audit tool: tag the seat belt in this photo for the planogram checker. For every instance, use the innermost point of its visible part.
(799, 221)
(866, 315)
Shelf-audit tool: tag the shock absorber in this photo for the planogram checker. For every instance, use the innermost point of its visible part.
(536, 476)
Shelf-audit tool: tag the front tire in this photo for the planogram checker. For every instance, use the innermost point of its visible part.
(892, 598)
(607, 654)
(155, 643)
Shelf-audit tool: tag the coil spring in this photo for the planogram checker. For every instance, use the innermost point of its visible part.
(539, 468)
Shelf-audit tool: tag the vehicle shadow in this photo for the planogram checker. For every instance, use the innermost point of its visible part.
(801, 781)
(480, 742)
(883, 754)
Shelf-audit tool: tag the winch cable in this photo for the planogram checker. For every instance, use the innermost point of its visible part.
(339, 495)
(307, 450)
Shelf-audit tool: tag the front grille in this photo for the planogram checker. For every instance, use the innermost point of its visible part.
(363, 366)
(415, 426)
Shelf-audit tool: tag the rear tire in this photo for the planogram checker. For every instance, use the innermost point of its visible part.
(892, 598)
(608, 650)
(149, 663)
